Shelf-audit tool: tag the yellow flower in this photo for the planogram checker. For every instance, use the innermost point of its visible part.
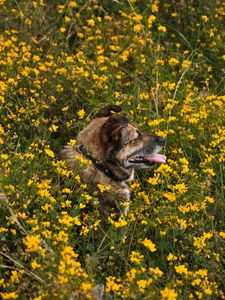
(36, 58)
(169, 294)
(53, 128)
(118, 224)
(159, 62)
(196, 282)
(2, 282)
(173, 61)
(137, 28)
(151, 19)
(208, 291)
(170, 196)
(10, 295)
(86, 286)
(202, 272)
(14, 277)
(77, 178)
(67, 19)
(182, 223)
(149, 245)
(62, 279)
(84, 230)
(112, 284)
(44, 184)
(103, 188)
(155, 7)
(62, 29)
(136, 257)
(209, 171)
(81, 205)
(37, 298)
(161, 133)
(65, 108)
(156, 272)
(184, 163)
(91, 22)
(32, 242)
(124, 55)
(162, 28)
(67, 203)
(155, 122)
(4, 156)
(171, 86)
(81, 113)
(200, 242)
(49, 152)
(162, 233)
(181, 269)
(44, 193)
(180, 188)
(154, 180)
(68, 266)
(35, 265)
(205, 19)
(209, 199)
(72, 4)
(222, 234)
(186, 64)
(69, 221)
(171, 257)
(66, 191)
(62, 236)
(143, 284)
(72, 142)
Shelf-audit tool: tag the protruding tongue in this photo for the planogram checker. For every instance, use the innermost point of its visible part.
(156, 158)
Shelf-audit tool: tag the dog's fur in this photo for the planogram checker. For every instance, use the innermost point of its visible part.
(115, 147)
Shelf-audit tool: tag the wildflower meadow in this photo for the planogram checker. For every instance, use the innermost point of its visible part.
(164, 63)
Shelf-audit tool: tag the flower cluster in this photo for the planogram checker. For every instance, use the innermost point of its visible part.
(163, 61)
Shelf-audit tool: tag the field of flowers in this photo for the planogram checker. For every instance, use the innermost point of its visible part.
(164, 63)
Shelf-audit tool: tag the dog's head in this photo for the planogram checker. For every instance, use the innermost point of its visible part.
(120, 141)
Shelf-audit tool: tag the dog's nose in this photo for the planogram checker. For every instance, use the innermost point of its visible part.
(160, 140)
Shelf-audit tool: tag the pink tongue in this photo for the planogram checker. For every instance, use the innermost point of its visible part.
(156, 158)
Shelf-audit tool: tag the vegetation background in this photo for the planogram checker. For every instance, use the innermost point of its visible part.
(163, 61)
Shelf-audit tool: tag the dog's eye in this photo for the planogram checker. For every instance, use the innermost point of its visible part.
(134, 139)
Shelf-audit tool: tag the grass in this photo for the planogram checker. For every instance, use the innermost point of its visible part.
(163, 61)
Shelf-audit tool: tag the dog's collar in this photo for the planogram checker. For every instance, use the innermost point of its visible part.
(100, 166)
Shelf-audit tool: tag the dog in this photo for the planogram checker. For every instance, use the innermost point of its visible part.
(114, 146)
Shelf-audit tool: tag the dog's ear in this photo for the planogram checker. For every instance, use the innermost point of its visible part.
(107, 111)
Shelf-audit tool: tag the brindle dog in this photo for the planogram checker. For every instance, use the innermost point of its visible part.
(115, 147)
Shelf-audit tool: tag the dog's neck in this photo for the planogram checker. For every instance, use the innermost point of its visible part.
(116, 173)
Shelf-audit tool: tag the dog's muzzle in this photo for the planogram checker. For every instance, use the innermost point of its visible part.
(150, 155)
